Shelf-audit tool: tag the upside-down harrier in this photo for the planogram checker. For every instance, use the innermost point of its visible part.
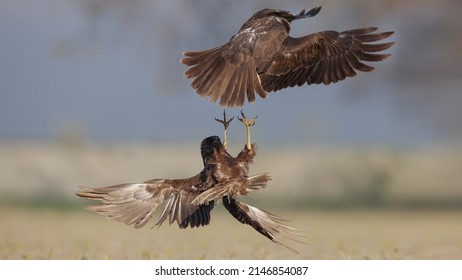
(262, 58)
(190, 201)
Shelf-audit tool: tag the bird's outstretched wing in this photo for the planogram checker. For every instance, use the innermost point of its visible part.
(133, 204)
(324, 57)
(264, 222)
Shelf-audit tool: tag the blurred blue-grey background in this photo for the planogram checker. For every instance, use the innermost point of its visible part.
(110, 69)
(92, 93)
(93, 73)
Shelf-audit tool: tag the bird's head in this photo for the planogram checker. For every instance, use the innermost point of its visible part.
(209, 147)
(285, 14)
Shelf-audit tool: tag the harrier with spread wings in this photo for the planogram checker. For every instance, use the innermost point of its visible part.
(190, 201)
(262, 57)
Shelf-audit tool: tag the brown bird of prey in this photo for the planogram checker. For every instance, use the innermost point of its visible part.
(190, 201)
(262, 57)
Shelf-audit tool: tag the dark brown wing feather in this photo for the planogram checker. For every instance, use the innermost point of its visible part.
(200, 217)
(133, 204)
(324, 57)
(264, 222)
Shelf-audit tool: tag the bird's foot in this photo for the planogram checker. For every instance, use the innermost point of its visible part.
(225, 125)
(247, 122)
(224, 121)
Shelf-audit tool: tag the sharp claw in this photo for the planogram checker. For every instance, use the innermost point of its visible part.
(225, 124)
(248, 124)
(245, 121)
(224, 121)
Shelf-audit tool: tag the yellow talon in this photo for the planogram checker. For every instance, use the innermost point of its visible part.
(248, 123)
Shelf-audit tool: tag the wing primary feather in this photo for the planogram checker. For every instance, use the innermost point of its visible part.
(167, 210)
(376, 47)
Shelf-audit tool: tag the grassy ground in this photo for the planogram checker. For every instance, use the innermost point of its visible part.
(48, 174)
(352, 234)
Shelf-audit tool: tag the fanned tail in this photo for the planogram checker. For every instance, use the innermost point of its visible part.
(229, 80)
(262, 221)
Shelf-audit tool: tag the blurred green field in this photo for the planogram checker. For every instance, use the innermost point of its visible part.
(38, 233)
(301, 175)
(410, 203)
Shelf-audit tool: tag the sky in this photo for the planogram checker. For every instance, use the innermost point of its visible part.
(111, 72)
